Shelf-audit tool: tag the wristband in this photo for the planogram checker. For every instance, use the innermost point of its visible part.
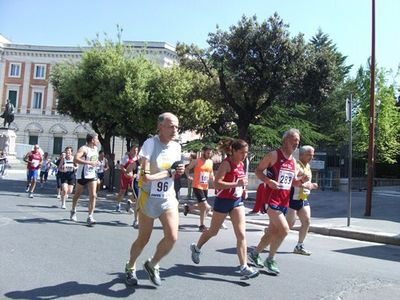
(169, 172)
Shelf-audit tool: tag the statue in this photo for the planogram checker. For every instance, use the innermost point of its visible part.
(8, 114)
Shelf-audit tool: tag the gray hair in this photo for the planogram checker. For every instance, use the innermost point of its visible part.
(290, 132)
(305, 149)
(165, 116)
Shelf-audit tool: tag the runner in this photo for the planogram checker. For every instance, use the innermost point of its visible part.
(67, 175)
(160, 160)
(127, 176)
(44, 170)
(299, 201)
(282, 172)
(103, 167)
(203, 172)
(87, 160)
(34, 160)
(230, 181)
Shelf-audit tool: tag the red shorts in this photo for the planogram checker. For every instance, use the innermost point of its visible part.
(125, 182)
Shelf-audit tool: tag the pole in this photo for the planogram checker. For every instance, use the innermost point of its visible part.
(349, 119)
(371, 147)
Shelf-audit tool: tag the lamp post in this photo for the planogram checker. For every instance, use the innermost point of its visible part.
(371, 155)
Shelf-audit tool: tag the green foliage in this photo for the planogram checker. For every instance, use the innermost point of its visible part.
(387, 121)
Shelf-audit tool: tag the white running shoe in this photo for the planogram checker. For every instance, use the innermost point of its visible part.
(73, 217)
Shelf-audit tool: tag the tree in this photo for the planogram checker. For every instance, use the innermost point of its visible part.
(252, 64)
(122, 95)
(101, 87)
(387, 133)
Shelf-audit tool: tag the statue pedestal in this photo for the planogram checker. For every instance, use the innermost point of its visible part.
(7, 143)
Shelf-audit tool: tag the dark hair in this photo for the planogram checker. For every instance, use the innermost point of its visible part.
(205, 148)
(228, 145)
(90, 137)
(68, 147)
(133, 146)
(101, 151)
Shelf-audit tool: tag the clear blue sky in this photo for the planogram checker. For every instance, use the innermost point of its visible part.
(71, 22)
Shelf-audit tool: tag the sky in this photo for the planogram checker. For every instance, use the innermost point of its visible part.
(73, 22)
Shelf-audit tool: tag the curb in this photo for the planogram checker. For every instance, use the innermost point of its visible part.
(381, 237)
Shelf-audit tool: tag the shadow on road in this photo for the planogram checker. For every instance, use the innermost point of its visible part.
(378, 251)
(73, 288)
(201, 273)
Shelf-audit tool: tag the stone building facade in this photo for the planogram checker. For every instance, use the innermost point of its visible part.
(24, 79)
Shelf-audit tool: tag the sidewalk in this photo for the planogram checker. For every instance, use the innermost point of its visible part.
(329, 214)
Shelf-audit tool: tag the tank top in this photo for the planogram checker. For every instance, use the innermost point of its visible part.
(202, 172)
(100, 168)
(283, 171)
(86, 171)
(68, 165)
(301, 193)
(35, 159)
(161, 157)
(236, 172)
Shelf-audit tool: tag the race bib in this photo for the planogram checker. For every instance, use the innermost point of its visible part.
(35, 163)
(238, 192)
(162, 189)
(204, 177)
(306, 191)
(285, 179)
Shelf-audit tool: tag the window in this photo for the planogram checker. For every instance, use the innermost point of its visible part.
(81, 142)
(33, 140)
(12, 96)
(57, 145)
(37, 100)
(15, 70)
(40, 72)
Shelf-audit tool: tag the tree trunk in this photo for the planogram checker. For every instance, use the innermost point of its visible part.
(243, 129)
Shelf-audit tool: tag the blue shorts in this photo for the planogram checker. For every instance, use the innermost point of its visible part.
(32, 174)
(224, 206)
(298, 204)
(276, 207)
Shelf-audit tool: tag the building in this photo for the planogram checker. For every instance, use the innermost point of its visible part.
(24, 80)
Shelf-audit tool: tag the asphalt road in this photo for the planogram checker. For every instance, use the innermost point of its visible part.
(45, 256)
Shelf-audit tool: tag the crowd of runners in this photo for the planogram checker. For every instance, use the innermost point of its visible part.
(149, 174)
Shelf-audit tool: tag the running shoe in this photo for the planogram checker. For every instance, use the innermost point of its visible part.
(255, 259)
(223, 226)
(248, 272)
(128, 205)
(73, 217)
(90, 221)
(63, 206)
(58, 196)
(272, 266)
(30, 195)
(202, 228)
(153, 272)
(27, 188)
(300, 250)
(195, 253)
(118, 208)
(185, 209)
(130, 276)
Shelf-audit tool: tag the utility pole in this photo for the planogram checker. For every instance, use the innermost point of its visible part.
(371, 144)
